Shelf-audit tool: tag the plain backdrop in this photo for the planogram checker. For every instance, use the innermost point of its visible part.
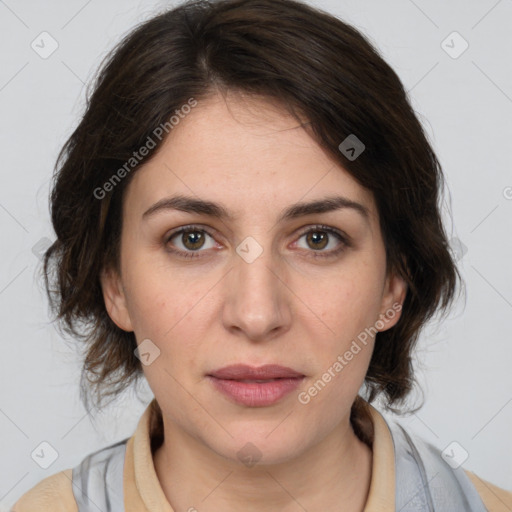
(463, 97)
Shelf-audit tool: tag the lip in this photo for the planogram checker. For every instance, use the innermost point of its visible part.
(280, 381)
(244, 371)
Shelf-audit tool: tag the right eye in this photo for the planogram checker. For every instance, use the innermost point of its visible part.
(188, 240)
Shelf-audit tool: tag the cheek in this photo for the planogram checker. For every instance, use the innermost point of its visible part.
(177, 318)
(349, 309)
(349, 306)
(349, 303)
(161, 305)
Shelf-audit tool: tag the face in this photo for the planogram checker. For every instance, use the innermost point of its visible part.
(261, 284)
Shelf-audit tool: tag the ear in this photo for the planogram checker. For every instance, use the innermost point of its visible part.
(115, 299)
(393, 297)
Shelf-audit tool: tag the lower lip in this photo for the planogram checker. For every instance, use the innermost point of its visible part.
(256, 394)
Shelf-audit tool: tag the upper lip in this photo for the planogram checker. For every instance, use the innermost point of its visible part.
(244, 371)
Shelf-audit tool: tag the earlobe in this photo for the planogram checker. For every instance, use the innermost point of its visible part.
(115, 299)
(393, 298)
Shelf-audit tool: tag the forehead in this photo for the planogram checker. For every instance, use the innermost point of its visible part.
(245, 152)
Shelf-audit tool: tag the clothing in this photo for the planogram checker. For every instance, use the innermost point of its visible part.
(408, 475)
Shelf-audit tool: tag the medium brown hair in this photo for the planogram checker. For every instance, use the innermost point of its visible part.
(317, 67)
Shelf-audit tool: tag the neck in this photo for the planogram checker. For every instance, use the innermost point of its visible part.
(334, 474)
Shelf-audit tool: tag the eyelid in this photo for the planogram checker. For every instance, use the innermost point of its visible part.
(188, 227)
(323, 227)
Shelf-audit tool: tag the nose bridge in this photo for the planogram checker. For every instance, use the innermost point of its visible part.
(255, 295)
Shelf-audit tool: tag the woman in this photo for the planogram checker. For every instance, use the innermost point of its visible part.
(248, 216)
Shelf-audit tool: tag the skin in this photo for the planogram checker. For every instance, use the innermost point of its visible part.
(285, 307)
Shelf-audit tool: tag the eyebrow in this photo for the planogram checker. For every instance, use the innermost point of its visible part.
(216, 210)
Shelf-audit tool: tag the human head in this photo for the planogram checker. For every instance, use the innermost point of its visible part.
(321, 70)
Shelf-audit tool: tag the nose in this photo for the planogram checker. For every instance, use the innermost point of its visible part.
(257, 298)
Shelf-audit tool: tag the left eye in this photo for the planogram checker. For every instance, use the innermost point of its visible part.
(319, 238)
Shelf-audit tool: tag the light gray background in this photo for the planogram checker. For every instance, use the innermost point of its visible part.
(465, 104)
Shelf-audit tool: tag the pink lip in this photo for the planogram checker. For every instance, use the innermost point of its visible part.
(280, 381)
(244, 371)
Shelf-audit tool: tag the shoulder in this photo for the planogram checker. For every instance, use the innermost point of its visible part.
(97, 478)
(495, 498)
(53, 494)
(440, 477)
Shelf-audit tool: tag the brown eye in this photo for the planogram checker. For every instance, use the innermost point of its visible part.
(323, 241)
(317, 239)
(192, 239)
(189, 242)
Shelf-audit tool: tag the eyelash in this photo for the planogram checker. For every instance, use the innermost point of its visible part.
(345, 243)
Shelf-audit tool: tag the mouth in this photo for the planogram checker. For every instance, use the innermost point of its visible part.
(267, 372)
(258, 381)
(255, 387)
